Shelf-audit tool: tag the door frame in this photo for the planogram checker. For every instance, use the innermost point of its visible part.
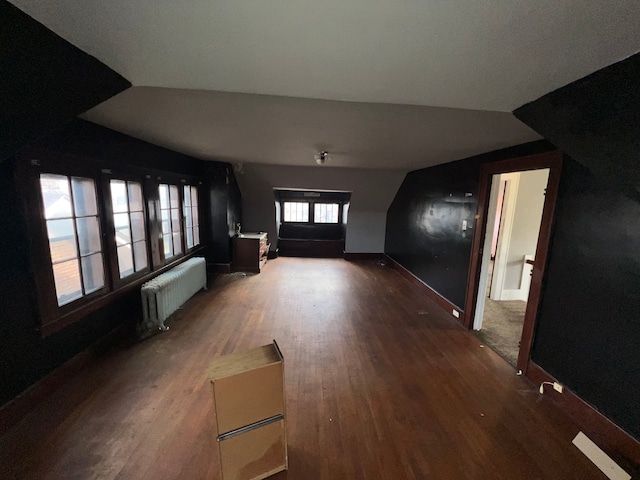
(553, 161)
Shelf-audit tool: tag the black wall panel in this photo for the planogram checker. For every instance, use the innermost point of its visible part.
(424, 226)
(44, 80)
(424, 222)
(25, 356)
(225, 206)
(596, 120)
(588, 331)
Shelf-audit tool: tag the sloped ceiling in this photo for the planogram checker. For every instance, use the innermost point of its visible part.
(596, 120)
(490, 56)
(44, 80)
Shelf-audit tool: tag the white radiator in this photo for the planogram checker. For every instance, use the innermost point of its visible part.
(166, 293)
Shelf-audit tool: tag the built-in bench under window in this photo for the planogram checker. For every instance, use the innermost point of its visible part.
(311, 223)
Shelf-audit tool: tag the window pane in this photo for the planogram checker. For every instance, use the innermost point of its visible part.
(75, 243)
(88, 235)
(187, 196)
(173, 193)
(125, 260)
(92, 273)
(67, 279)
(164, 196)
(168, 246)
(84, 196)
(325, 213)
(296, 212)
(196, 236)
(194, 196)
(140, 255)
(55, 196)
(177, 242)
(175, 220)
(194, 214)
(118, 196)
(187, 218)
(137, 226)
(121, 224)
(189, 237)
(62, 240)
(135, 196)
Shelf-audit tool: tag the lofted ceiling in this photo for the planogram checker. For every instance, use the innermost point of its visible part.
(401, 84)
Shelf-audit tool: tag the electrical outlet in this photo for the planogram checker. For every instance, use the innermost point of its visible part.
(456, 313)
(557, 387)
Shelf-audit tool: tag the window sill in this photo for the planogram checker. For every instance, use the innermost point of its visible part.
(82, 311)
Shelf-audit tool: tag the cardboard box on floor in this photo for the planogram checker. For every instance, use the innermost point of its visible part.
(248, 394)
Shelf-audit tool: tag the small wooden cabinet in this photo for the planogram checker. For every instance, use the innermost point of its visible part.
(248, 394)
(250, 251)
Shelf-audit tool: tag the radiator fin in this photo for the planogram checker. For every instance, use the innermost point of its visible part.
(165, 293)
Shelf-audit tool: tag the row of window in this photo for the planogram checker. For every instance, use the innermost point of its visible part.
(74, 229)
(322, 212)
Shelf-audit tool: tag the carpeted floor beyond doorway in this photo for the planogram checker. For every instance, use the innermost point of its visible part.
(502, 327)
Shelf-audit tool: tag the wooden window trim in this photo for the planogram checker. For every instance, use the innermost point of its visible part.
(198, 187)
(98, 302)
(109, 233)
(29, 165)
(28, 180)
(164, 260)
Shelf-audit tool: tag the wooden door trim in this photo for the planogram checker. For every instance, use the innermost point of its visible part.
(553, 161)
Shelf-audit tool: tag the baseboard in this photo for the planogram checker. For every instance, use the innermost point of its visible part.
(514, 294)
(219, 267)
(618, 444)
(445, 304)
(15, 410)
(352, 256)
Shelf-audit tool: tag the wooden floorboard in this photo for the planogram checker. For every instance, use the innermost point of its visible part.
(380, 384)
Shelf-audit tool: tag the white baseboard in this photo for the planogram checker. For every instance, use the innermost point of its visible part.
(514, 294)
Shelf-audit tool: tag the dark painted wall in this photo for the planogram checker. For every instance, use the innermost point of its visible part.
(44, 80)
(226, 211)
(25, 356)
(588, 331)
(424, 222)
(596, 120)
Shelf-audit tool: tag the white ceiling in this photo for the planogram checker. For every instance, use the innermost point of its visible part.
(491, 55)
(249, 128)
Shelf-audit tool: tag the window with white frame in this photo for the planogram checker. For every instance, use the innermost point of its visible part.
(191, 219)
(170, 220)
(129, 223)
(326, 212)
(73, 230)
(91, 234)
(296, 211)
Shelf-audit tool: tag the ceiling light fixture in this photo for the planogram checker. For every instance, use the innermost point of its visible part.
(321, 157)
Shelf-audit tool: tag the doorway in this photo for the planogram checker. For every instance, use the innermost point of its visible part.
(515, 273)
(516, 202)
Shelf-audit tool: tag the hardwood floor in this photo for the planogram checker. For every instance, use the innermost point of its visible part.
(380, 384)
